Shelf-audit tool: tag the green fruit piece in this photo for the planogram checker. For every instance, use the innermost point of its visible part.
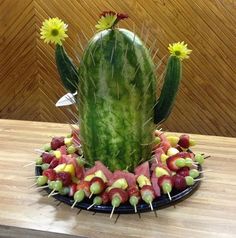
(194, 173)
(157, 140)
(188, 162)
(97, 200)
(167, 188)
(116, 201)
(69, 136)
(64, 191)
(79, 196)
(47, 147)
(51, 184)
(189, 180)
(95, 188)
(39, 161)
(199, 158)
(180, 162)
(42, 180)
(71, 149)
(133, 200)
(58, 185)
(147, 198)
(45, 166)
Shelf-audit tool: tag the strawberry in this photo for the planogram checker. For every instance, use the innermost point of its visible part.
(177, 161)
(183, 171)
(165, 179)
(65, 177)
(105, 197)
(54, 163)
(47, 158)
(179, 182)
(97, 185)
(57, 142)
(50, 173)
(120, 193)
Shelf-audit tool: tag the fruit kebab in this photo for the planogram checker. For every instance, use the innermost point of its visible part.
(134, 196)
(117, 196)
(83, 191)
(165, 183)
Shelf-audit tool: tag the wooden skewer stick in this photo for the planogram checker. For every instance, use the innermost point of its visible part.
(90, 195)
(55, 194)
(91, 206)
(73, 205)
(135, 208)
(31, 163)
(42, 187)
(169, 196)
(50, 194)
(151, 206)
(31, 186)
(33, 177)
(195, 180)
(207, 170)
(113, 209)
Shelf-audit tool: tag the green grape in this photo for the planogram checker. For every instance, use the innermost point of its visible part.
(58, 185)
(157, 140)
(71, 149)
(189, 180)
(147, 198)
(116, 201)
(51, 184)
(47, 147)
(69, 136)
(133, 200)
(80, 161)
(199, 158)
(45, 166)
(97, 200)
(95, 188)
(79, 196)
(42, 180)
(180, 162)
(166, 187)
(188, 162)
(194, 173)
(39, 161)
(64, 191)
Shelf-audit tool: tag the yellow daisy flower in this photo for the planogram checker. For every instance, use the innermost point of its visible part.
(106, 22)
(53, 30)
(179, 50)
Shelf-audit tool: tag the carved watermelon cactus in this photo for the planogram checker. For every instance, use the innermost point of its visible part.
(117, 103)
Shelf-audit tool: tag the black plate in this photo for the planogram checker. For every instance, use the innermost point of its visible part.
(159, 203)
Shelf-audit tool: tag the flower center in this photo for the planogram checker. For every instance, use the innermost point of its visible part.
(177, 53)
(54, 32)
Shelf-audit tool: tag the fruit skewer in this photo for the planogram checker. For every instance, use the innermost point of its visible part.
(148, 194)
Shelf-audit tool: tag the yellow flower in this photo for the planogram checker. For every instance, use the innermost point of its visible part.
(53, 30)
(179, 50)
(106, 22)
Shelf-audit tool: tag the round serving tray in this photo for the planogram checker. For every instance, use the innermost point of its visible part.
(159, 203)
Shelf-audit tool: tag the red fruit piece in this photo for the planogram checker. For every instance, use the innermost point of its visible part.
(165, 179)
(54, 163)
(47, 158)
(122, 194)
(73, 189)
(147, 193)
(133, 191)
(65, 177)
(183, 171)
(184, 141)
(105, 197)
(57, 142)
(50, 173)
(84, 185)
(179, 182)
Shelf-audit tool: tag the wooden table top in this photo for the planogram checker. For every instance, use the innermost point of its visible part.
(24, 212)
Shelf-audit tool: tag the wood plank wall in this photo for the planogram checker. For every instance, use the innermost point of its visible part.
(206, 102)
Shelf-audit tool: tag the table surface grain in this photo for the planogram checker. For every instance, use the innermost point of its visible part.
(24, 212)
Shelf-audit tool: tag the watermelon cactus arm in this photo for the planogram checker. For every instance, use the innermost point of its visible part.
(170, 87)
(67, 69)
